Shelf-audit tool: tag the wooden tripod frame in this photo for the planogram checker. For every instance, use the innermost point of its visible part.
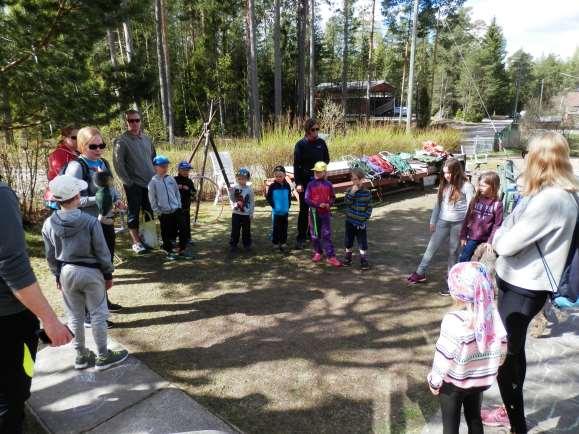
(207, 138)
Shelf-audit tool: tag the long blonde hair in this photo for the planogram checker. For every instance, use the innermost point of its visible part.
(548, 164)
(84, 136)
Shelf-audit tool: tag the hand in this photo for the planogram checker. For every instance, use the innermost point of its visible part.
(324, 205)
(58, 285)
(299, 188)
(108, 284)
(354, 189)
(462, 243)
(58, 333)
(434, 391)
(489, 248)
(120, 205)
(432, 228)
(184, 187)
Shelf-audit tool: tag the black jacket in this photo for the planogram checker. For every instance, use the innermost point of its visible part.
(306, 154)
(186, 195)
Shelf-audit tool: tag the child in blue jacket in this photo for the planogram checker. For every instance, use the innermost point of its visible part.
(279, 198)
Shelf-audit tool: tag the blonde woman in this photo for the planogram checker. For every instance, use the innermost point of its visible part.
(545, 217)
(92, 147)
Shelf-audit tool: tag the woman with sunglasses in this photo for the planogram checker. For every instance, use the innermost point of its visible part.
(64, 153)
(307, 152)
(92, 147)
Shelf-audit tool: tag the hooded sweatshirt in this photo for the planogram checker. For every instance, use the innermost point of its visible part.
(164, 194)
(71, 236)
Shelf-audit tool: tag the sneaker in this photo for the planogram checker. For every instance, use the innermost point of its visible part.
(114, 307)
(317, 257)
(275, 247)
(496, 417)
(139, 248)
(283, 248)
(415, 278)
(111, 359)
(444, 292)
(347, 259)
(247, 249)
(232, 249)
(334, 262)
(185, 255)
(190, 243)
(300, 245)
(84, 359)
(364, 265)
(171, 256)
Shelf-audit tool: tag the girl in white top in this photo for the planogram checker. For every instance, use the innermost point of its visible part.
(545, 217)
(454, 196)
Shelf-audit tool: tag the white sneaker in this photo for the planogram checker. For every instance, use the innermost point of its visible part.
(138, 248)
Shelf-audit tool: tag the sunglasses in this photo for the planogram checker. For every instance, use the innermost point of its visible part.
(133, 121)
(95, 147)
(314, 129)
(72, 137)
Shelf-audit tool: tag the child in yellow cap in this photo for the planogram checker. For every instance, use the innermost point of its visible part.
(320, 197)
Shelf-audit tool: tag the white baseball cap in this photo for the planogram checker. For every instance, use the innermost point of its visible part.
(65, 187)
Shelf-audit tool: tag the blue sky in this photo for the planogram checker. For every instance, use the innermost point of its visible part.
(536, 26)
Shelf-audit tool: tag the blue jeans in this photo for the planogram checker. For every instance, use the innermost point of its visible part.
(468, 250)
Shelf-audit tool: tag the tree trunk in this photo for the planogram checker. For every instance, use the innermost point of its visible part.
(411, 67)
(370, 49)
(129, 53)
(434, 53)
(250, 114)
(312, 81)
(111, 46)
(6, 112)
(277, 62)
(302, 14)
(167, 64)
(256, 119)
(160, 60)
(345, 58)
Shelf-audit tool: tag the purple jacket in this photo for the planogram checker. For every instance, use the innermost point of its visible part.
(482, 220)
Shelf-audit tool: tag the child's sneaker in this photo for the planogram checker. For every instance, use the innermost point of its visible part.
(283, 248)
(185, 255)
(111, 359)
(364, 265)
(139, 248)
(347, 259)
(496, 417)
(334, 262)
(444, 292)
(275, 247)
(317, 257)
(416, 278)
(84, 359)
(171, 256)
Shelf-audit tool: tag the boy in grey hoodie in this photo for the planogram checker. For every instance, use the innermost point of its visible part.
(79, 258)
(165, 200)
(242, 206)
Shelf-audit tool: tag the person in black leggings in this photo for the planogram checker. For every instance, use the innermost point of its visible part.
(452, 399)
(517, 307)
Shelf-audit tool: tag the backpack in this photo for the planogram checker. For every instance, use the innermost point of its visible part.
(566, 294)
(86, 175)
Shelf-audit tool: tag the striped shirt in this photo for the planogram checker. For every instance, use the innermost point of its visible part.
(457, 359)
(358, 206)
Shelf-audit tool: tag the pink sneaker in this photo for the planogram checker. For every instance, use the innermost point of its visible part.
(334, 262)
(415, 278)
(496, 416)
(317, 257)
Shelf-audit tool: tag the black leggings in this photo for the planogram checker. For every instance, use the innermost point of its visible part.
(517, 307)
(452, 399)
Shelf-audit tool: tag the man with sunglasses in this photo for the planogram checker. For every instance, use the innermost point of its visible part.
(133, 155)
(307, 152)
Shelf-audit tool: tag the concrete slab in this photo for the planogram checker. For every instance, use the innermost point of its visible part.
(551, 391)
(128, 398)
(167, 411)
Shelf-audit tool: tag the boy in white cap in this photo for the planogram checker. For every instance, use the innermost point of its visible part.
(79, 258)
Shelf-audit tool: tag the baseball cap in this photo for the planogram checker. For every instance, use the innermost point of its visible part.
(243, 172)
(65, 187)
(184, 165)
(320, 166)
(160, 160)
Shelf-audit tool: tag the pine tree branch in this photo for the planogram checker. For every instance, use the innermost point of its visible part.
(42, 43)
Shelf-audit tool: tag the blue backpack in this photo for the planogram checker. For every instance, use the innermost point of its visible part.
(566, 294)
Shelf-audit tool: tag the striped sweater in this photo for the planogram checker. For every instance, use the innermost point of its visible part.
(358, 206)
(457, 359)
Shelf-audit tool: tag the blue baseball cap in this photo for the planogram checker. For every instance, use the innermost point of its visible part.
(160, 160)
(243, 172)
(184, 165)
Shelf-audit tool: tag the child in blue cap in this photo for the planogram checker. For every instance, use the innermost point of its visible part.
(188, 192)
(166, 203)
